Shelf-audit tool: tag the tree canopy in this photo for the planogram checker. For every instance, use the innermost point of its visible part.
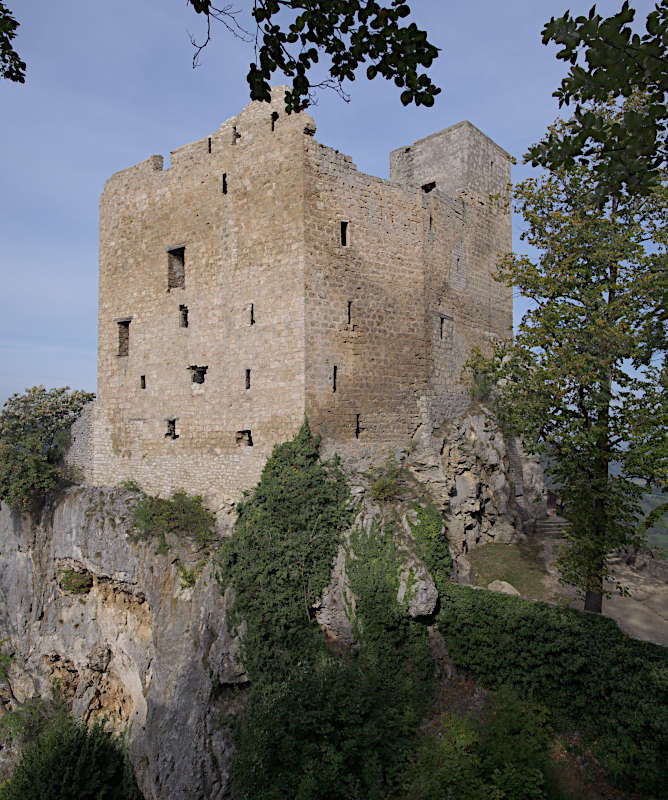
(290, 37)
(585, 380)
(608, 60)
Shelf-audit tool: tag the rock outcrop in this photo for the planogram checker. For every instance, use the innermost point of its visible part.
(113, 623)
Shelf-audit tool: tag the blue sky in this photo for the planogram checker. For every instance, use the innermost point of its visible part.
(111, 83)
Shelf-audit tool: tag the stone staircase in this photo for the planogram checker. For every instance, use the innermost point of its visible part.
(551, 526)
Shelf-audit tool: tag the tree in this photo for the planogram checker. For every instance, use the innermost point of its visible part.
(34, 434)
(585, 381)
(629, 152)
(292, 34)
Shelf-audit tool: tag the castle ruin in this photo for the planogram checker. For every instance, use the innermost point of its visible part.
(262, 278)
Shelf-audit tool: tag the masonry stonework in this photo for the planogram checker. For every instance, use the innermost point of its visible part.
(262, 278)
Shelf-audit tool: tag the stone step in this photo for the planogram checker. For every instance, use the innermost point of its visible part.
(551, 526)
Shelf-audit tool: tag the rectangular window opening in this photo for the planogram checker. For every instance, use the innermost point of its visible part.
(176, 268)
(350, 311)
(358, 429)
(183, 316)
(344, 234)
(209, 144)
(335, 372)
(251, 310)
(198, 373)
(248, 373)
(224, 182)
(235, 134)
(244, 439)
(274, 117)
(442, 323)
(124, 337)
(171, 429)
(142, 381)
(428, 187)
(431, 222)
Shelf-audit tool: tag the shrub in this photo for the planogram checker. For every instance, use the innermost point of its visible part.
(68, 761)
(386, 483)
(76, 582)
(593, 678)
(183, 515)
(34, 435)
(431, 543)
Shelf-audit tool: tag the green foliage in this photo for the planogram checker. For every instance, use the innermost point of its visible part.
(5, 660)
(76, 582)
(183, 515)
(34, 434)
(130, 485)
(280, 557)
(319, 725)
(11, 66)
(385, 485)
(612, 689)
(189, 576)
(432, 544)
(565, 384)
(32, 717)
(68, 761)
(628, 153)
(292, 34)
(506, 757)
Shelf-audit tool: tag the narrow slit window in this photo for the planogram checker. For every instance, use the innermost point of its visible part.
(428, 187)
(251, 315)
(235, 134)
(209, 144)
(224, 182)
(124, 337)
(244, 438)
(171, 430)
(442, 324)
(431, 222)
(183, 316)
(335, 372)
(274, 117)
(142, 381)
(176, 268)
(358, 429)
(198, 373)
(344, 234)
(248, 374)
(350, 311)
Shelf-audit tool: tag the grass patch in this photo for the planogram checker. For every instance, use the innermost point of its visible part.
(519, 565)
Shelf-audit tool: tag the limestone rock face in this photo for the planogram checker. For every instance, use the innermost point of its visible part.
(488, 488)
(504, 587)
(111, 620)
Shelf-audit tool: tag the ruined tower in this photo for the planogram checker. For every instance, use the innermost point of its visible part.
(262, 278)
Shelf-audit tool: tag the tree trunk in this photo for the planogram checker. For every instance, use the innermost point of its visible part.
(593, 601)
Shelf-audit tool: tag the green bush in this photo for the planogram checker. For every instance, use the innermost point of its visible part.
(593, 678)
(34, 435)
(68, 761)
(76, 582)
(385, 485)
(432, 544)
(183, 515)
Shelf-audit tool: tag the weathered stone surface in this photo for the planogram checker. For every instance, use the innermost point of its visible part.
(504, 587)
(136, 647)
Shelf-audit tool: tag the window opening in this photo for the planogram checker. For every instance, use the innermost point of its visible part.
(142, 381)
(183, 316)
(124, 337)
(344, 234)
(252, 315)
(431, 222)
(274, 117)
(209, 144)
(442, 322)
(358, 429)
(224, 182)
(244, 439)
(171, 429)
(235, 134)
(176, 268)
(198, 373)
(248, 379)
(350, 311)
(428, 187)
(334, 376)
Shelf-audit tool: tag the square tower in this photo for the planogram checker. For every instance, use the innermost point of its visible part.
(262, 278)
